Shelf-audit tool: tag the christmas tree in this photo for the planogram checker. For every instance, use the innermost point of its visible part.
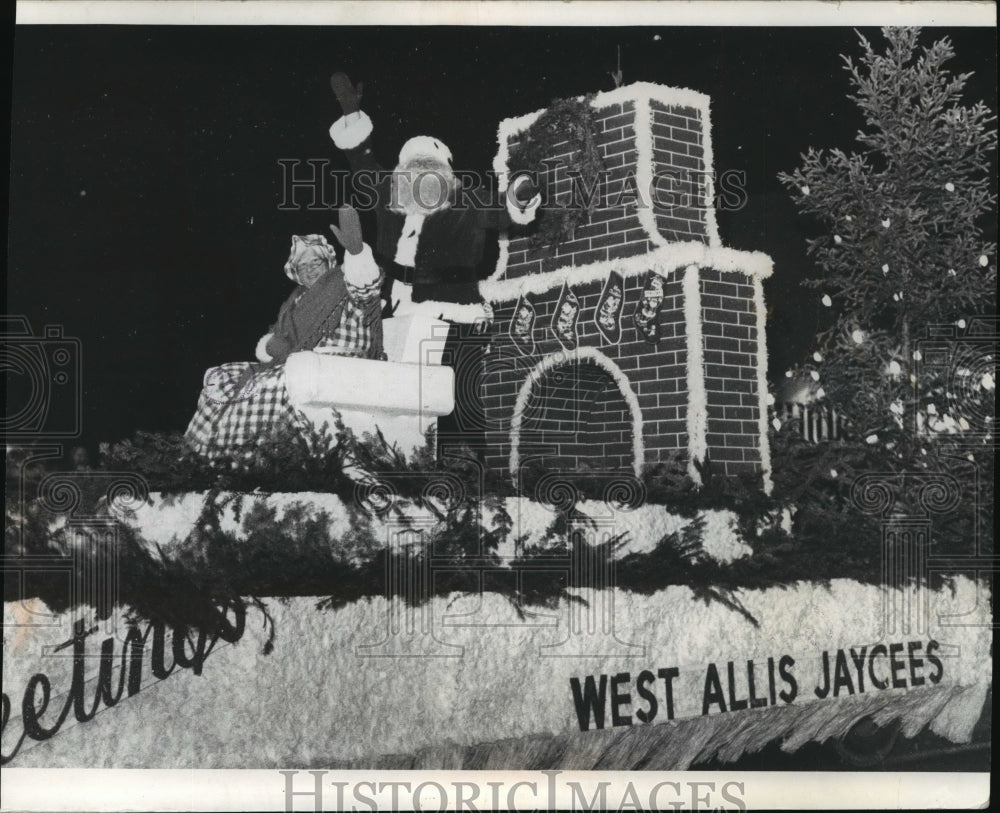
(902, 247)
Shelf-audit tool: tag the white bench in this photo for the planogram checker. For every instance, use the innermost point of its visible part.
(403, 396)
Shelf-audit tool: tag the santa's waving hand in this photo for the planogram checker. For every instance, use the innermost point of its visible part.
(428, 236)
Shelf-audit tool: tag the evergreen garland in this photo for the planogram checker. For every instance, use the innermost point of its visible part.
(298, 554)
(567, 126)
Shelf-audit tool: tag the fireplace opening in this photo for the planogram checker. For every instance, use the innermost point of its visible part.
(576, 417)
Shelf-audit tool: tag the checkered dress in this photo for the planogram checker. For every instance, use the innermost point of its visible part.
(242, 401)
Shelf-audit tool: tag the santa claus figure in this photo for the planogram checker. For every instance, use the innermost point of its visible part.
(428, 238)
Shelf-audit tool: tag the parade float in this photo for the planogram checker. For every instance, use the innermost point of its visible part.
(590, 593)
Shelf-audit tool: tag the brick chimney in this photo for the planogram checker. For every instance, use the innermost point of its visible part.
(606, 387)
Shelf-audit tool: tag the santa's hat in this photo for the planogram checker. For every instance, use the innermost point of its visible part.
(424, 147)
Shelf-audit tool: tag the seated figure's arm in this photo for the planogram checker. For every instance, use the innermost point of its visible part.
(276, 344)
(362, 276)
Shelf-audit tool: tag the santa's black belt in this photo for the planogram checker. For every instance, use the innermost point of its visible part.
(450, 284)
(448, 275)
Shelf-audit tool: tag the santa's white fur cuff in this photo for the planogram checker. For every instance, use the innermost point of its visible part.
(521, 216)
(350, 131)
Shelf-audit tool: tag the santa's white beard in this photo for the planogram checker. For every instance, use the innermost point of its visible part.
(421, 187)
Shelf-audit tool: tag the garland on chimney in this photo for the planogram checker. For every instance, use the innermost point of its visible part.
(566, 126)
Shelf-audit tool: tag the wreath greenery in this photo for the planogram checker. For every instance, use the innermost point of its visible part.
(566, 127)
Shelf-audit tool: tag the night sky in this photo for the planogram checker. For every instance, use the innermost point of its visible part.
(145, 180)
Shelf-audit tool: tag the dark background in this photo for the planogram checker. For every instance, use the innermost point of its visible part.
(145, 181)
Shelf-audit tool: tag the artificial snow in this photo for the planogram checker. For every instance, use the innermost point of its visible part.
(166, 522)
(492, 688)
(664, 260)
(697, 406)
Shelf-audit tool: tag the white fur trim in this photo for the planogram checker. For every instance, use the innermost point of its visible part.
(261, 351)
(664, 260)
(522, 216)
(452, 312)
(424, 147)
(406, 248)
(762, 434)
(580, 354)
(360, 270)
(697, 411)
(350, 131)
(433, 309)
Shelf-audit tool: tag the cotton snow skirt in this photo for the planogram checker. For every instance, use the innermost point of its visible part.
(240, 403)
